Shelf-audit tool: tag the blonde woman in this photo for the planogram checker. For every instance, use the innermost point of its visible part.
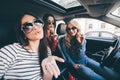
(74, 46)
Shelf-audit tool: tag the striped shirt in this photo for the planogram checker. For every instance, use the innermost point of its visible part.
(17, 63)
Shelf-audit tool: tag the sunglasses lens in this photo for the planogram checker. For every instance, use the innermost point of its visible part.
(51, 22)
(68, 29)
(38, 22)
(73, 28)
(27, 27)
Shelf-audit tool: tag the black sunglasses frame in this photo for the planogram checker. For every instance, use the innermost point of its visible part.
(73, 28)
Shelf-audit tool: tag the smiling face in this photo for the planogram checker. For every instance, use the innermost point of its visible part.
(37, 28)
(71, 30)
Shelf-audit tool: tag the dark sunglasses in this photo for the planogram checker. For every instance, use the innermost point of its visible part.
(28, 26)
(51, 22)
(68, 29)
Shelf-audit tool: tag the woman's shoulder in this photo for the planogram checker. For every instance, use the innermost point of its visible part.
(16, 44)
(9, 50)
(11, 46)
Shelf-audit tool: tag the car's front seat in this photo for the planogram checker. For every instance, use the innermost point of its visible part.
(61, 29)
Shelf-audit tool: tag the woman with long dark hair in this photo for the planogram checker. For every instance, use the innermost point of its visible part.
(49, 29)
(29, 59)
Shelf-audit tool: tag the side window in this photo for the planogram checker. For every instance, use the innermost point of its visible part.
(88, 25)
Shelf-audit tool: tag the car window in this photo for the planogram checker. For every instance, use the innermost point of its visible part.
(88, 25)
(97, 28)
(103, 35)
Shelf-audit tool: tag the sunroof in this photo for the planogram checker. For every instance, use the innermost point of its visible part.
(116, 12)
(67, 3)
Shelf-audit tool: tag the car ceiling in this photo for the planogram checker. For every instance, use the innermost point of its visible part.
(90, 8)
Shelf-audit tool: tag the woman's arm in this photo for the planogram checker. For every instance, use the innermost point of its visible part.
(83, 47)
(67, 56)
(7, 56)
(2, 68)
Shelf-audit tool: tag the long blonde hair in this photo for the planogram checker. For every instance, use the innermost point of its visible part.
(78, 34)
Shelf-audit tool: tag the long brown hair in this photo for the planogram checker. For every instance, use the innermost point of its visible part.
(24, 42)
(45, 19)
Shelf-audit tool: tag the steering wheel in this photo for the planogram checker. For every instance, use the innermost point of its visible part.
(110, 52)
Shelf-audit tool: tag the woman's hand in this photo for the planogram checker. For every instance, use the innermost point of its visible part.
(50, 67)
(76, 66)
(82, 38)
(55, 37)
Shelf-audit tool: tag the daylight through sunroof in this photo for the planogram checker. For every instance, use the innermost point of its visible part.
(116, 12)
(67, 3)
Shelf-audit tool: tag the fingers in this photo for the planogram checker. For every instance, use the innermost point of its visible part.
(44, 66)
(55, 70)
(58, 59)
(76, 66)
(47, 73)
(49, 66)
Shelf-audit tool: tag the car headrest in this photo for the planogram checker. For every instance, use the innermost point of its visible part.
(61, 29)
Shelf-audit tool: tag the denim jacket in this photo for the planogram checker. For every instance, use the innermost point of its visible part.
(74, 55)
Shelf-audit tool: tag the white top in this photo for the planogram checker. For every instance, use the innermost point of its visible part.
(17, 63)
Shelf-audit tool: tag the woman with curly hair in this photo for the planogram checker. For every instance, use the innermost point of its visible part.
(73, 45)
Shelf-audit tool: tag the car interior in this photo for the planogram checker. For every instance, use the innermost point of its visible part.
(103, 50)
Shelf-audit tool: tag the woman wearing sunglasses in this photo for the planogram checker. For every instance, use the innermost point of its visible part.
(29, 59)
(49, 28)
(84, 68)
